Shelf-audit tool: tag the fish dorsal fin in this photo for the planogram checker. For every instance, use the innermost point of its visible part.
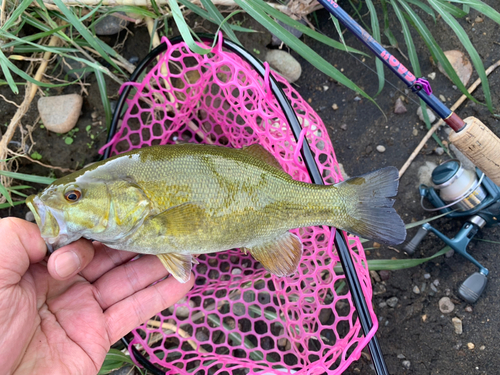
(182, 219)
(280, 256)
(179, 265)
(259, 152)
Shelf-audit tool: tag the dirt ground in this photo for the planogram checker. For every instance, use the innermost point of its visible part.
(416, 338)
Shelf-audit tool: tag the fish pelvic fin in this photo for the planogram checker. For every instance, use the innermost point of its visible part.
(280, 256)
(179, 265)
(369, 206)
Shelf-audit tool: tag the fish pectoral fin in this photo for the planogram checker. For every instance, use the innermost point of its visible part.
(259, 152)
(281, 256)
(182, 219)
(179, 265)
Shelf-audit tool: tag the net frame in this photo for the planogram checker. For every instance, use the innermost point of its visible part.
(238, 319)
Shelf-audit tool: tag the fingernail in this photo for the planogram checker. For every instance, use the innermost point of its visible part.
(67, 263)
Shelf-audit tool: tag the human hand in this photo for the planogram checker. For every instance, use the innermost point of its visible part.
(63, 316)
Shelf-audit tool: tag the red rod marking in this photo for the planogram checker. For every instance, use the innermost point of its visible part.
(407, 75)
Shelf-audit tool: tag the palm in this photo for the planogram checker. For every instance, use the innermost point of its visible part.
(54, 326)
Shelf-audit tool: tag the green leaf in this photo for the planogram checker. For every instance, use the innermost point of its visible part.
(215, 14)
(436, 51)
(133, 9)
(412, 52)
(7, 205)
(399, 264)
(269, 10)
(6, 73)
(482, 8)
(114, 360)
(104, 97)
(68, 140)
(424, 7)
(35, 155)
(84, 32)
(387, 31)
(465, 40)
(307, 53)
(453, 10)
(18, 11)
(376, 35)
(184, 29)
(28, 177)
(5, 193)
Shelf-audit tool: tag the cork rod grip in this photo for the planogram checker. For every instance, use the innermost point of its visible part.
(481, 146)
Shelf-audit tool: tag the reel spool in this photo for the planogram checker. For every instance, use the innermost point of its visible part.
(460, 193)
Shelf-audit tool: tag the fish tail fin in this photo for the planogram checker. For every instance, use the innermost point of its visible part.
(369, 206)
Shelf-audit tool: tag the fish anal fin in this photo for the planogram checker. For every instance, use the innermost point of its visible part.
(259, 152)
(182, 219)
(280, 256)
(179, 265)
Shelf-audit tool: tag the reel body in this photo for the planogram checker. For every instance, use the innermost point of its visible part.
(461, 193)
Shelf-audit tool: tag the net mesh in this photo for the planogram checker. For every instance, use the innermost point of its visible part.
(239, 319)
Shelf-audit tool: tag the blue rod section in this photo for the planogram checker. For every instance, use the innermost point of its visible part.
(389, 60)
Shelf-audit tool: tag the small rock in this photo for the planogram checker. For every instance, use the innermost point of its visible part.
(432, 116)
(460, 63)
(468, 309)
(380, 148)
(382, 305)
(471, 346)
(415, 132)
(432, 75)
(94, 115)
(478, 20)
(357, 99)
(445, 304)
(374, 275)
(482, 347)
(401, 356)
(335, 106)
(110, 24)
(439, 151)
(325, 88)
(133, 60)
(73, 68)
(427, 275)
(236, 271)
(343, 173)
(384, 275)
(442, 98)
(60, 113)
(433, 288)
(392, 302)
(424, 318)
(457, 323)
(436, 282)
(399, 107)
(29, 216)
(343, 126)
(449, 253)
(416, 290)
(275, 41)
(425, 177)
(406, 364)
(285, 64)
(201, 336)
(379, 289)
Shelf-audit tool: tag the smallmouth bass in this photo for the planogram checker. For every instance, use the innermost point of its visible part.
(176, 201)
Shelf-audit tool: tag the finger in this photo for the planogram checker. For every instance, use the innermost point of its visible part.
(104, 260)
(21, 245)
(127, 279)
(124, 316)
(70, 259)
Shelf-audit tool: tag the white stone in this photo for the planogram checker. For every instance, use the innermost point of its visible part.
(425, 177)
(445, 305)
(60, 113)
(416, 290)
(432, 116)
(399, 107)
(285, 64)
(457, 323)
(380, 148)
(432, 75)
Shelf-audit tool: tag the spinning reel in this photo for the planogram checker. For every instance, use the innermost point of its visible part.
(461, 193)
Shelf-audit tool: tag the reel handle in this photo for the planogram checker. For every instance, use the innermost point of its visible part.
(480, 145)
(415, 241)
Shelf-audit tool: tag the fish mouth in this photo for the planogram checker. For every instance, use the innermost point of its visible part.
(51, 222)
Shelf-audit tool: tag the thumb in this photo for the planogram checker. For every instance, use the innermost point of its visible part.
(70, 259)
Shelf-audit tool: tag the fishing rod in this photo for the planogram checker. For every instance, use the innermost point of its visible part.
(474, 139)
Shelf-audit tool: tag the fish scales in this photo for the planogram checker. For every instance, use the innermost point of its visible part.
(178, 200)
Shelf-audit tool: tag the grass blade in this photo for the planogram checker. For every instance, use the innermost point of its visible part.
(307, 53)
(336, 23)
(481, 7)
(399, 264)
(464, 38)
(185, 30)
(424, 7)
(19, 10)
(452, 9)
(215, 14)
(6, 73)
(8, 205)
(84, 32)
(376, 35)
(6, 194)
(104, 96)
(28, 177)
(434, 48)
(269, 10)
(387, 31)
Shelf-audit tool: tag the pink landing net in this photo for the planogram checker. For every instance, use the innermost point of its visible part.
(238, 319)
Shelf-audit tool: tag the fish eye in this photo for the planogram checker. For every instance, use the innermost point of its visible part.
(73, 195)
